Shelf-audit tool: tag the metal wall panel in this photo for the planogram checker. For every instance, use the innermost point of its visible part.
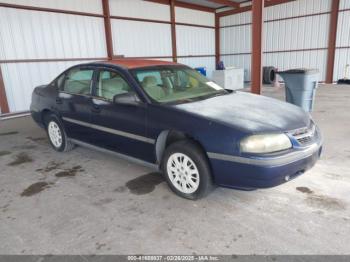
(140, 9)
(134, 38)
(185, 15)
(342, 55)
(88, 6)
(316, 59)
(195, 40)
(235, 39)
(343, 34)
(291, 34)
(299, 33)
(342, 59)
(207, 62)
(297, 8)
(38, 35)
(21, 78)
(237, 19)
(344, 4)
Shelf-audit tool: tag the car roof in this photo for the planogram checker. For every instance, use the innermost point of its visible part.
(137, 63)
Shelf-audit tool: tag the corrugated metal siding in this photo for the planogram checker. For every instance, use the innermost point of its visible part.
(229, 39)
(299, 33)
(297, 8)
(343, 34)
(195, 41)
(291, 34)
(134, 38)
(344, 4)
(140, 9)
(32, 35)
(316, 59)
(185, 15)
(21, 78)
(88, 6)
(208, 62)
(342, 57)
(241, 18)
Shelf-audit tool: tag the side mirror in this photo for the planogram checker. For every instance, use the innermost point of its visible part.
(126, 99)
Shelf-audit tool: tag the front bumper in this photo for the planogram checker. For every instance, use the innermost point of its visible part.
(263, 172)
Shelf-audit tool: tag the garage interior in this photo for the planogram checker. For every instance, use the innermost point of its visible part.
(88, 202)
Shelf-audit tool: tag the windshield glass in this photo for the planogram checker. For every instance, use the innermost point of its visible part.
(176, 84)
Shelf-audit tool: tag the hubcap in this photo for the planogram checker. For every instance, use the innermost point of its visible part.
(183, 173)
(55, 134)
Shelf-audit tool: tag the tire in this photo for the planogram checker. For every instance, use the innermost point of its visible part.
(192, 180)
(56, 134)
(269, 74)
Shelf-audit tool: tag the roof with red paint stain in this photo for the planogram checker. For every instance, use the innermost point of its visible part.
(137, 63)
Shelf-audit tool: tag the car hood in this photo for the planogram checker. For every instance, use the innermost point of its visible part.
(253, 113)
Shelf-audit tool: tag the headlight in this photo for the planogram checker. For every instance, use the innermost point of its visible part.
(265, 143)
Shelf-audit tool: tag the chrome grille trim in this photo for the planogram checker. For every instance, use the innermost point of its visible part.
(304, 135)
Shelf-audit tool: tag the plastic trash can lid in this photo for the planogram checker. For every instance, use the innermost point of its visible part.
(304, 71)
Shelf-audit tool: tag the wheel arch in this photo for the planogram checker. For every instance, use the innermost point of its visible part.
(44, 113)
(167, 137)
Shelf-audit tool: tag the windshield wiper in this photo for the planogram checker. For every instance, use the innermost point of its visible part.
(211, 95)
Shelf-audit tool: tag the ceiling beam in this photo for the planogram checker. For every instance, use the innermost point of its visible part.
(226, 3)
(185, 5)
(249, 7)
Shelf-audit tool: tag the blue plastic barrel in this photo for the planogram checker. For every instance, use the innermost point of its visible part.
(202, 70)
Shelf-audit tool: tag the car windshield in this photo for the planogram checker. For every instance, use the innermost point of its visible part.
(176, 84)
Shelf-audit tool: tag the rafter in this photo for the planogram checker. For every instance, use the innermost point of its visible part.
(249, 7)
(226, 3)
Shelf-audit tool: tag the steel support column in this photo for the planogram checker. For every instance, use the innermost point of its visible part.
(173, 30)
(257, 45)
(332, 38)
(3, 99)
(108, 28)
(217, 39)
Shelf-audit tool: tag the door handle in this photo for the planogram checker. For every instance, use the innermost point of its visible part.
(58, 100)
(95, 109)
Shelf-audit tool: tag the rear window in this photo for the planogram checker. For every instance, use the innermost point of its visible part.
(78, 81)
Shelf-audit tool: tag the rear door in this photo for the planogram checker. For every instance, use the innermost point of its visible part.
(119, 127)
(74, 102)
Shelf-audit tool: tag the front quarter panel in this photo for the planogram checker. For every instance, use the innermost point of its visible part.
(212, 136)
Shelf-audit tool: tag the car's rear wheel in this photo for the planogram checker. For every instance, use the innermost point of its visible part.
(186, 170)
(57, 135)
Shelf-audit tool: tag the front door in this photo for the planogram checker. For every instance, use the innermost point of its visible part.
(118, 126)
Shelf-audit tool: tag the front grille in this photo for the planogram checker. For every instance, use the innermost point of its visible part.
(305, 140)
(305, 135)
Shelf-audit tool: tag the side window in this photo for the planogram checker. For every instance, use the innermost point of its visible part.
(59, 81)
(110, 84)
(78, 81)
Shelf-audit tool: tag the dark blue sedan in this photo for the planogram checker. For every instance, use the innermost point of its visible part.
(173, 118)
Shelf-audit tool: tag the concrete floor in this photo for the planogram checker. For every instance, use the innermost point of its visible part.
(86, 202)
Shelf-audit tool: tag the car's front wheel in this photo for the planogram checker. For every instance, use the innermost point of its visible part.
(56, 134)
(186, 170)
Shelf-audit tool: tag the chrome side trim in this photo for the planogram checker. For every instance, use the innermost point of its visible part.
(125, 157)
(111, 131)
(268, 161)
